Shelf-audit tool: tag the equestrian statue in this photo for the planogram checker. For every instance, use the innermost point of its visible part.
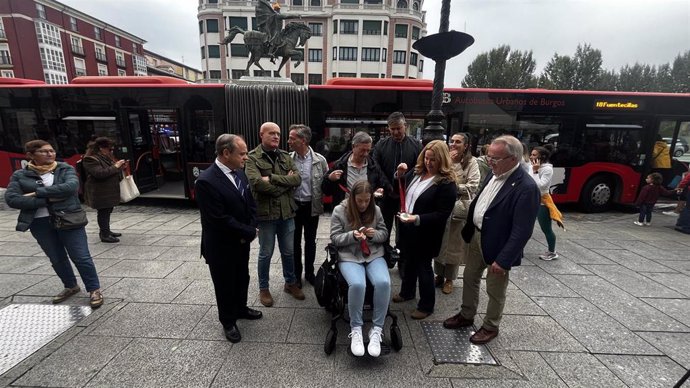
(271, 40)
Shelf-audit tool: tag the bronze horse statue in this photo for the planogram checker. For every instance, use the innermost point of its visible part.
(283, 45)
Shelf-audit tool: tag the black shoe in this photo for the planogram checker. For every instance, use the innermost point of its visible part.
(115, 234)
(310, 278)
(233, 334)
(251, 314)
(109, 239)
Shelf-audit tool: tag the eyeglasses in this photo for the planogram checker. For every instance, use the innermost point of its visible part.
(491, 160)
(45, 151)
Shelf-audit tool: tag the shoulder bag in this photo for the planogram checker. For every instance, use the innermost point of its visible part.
(63, 220)
(128, 189)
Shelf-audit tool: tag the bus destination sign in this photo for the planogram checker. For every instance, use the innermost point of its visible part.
(626, 105)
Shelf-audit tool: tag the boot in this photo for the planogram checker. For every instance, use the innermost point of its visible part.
(115, 234)
(106, 237)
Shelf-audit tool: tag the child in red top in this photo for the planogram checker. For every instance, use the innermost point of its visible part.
(648, 197)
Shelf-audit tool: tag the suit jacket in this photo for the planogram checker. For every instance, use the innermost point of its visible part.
(508, 221)
(433, 208)
(228, 219)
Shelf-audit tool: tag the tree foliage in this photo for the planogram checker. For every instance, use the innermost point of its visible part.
(501, 68)
(582, 71)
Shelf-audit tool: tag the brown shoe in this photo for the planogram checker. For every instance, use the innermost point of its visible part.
(447, 287)
(457, 321)
(265, 297)
(416, 314)
(294, 290)
(96, 299)
(483, 336)
(64, 294)
(438, 281)
(399, 299)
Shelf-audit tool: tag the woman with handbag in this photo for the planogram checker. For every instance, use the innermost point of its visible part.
(453, 247)
(47, 194)
(430, 195)
(358, 232)
(102, 188)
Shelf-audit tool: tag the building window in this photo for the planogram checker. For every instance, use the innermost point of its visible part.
(413, 59)
(77, 47)
(100, 52)
(371, 54)
(102, 69)
(79, 67)
(399, 56)
(401, 30)
(315, 55)
(402, 4)
(139, 63)
(415, 33)
(371, 27)
(335, 53)
(254, 26)
(3, 34)
(349, 27)
(315, 79)
(421, 65)
(213, 51)
(348, 53)
(135, 48)
(369, 75)
(240, 22)
(237, 74)
(48, 34)
(238, 50)
(201, 26)
(384, 55)
(214, 74)
(41, 11)
(97, 33)
(385, 28)
(297, 78)
(73, 23)
(203, 53)
(213, 1)
(348, 75)
(54, 78)
(262, 73)
(415, 6)
(120, 59)
(121, 73)
(316, 29)
(6, 73)
(315, 3)
(335, 26)
(349, 1)
(212, 25)
(5, 58)
(297, 2)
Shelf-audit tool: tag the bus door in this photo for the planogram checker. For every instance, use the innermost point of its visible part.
(144, 164)
(675, 133)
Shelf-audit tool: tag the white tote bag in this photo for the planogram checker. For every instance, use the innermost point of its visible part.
(128, 189)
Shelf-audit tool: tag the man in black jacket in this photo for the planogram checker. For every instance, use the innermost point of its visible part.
(388, 154)
(353, 166)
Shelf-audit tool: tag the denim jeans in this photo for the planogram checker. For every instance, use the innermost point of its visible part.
(57, 244)
(356, 274)
(268, 231)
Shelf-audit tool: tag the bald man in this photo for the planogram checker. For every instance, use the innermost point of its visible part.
(273, 178)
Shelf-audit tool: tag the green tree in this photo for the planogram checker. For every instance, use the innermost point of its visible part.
(558, 73)
(501, 68)
(681, 73)
(637, 78)
(664, 79)
(581, 72)
(608, 80)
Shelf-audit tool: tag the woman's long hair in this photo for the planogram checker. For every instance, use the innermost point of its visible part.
(440, 150)
(94, 146)
(365, 218)
(544, 152)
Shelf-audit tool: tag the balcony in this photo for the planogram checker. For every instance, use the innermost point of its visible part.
(78, 49)
(120, 62)
(100, 56)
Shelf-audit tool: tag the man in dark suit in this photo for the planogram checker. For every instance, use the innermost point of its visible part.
(228, 226)
(499, 224)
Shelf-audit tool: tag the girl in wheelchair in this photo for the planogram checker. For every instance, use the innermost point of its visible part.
(359, 232)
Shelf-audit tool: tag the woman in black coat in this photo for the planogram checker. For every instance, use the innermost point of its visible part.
(430, 195)
(102, 187)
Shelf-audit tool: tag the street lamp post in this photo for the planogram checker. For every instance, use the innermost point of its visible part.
(440, 47)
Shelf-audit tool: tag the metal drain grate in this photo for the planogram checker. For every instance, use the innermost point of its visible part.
(25, 328)
(454, 346)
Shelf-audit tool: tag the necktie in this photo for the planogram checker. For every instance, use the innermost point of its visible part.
(238, 182)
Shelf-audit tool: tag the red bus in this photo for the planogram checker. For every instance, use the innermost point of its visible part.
(603, 140)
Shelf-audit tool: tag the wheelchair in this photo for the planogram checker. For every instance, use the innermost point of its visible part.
(331, 293)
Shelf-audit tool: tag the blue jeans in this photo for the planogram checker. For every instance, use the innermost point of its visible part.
(57, 244)
(646, 212)
(268, 231)
(356, 275)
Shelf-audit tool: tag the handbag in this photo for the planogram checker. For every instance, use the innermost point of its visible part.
(128, 189)
(461, 207)
(62, 220)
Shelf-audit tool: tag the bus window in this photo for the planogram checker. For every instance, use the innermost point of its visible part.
(602, 141)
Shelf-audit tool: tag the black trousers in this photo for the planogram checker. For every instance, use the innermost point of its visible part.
(103, 218)
(310, 224)
(231, 283)
(391, 207)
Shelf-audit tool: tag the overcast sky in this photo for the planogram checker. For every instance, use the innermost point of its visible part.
(626, 31)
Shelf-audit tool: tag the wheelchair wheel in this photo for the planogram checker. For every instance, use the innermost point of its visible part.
(329, 345)
(396, 338)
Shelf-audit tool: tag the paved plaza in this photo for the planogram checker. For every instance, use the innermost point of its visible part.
(612, 311)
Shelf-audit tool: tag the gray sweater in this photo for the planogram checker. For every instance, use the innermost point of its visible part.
(348, 247)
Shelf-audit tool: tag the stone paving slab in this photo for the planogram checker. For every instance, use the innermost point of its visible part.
(675, 345)
(635, 283)
(147, 290)
(142, 268)
(676, 308)
(643, 371)
(582, 370)
(633, 261)
(146, 320)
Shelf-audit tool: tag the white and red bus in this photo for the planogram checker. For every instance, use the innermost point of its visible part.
(167, 127)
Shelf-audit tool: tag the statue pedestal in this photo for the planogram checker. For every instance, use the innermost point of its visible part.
(245, 80)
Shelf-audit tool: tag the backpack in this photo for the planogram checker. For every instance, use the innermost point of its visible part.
(326, 281)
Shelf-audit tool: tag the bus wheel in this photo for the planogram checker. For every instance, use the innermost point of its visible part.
(597, 195)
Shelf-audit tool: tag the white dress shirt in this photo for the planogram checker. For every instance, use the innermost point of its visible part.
(488, 194)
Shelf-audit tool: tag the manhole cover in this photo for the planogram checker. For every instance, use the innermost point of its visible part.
(454, 346)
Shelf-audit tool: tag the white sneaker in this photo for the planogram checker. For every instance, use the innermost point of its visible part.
(670, 213)
(647, 224)
(357, 344)
(375, 338)
(638, 223)
(548, 256)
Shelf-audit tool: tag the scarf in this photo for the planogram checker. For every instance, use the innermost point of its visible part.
(43, 169)
(554, 213)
